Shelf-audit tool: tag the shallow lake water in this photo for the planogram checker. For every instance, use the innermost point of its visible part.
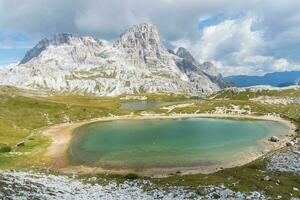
(137, 144)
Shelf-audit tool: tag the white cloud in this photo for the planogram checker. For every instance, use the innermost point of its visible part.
(280, 65)
(108, 18)
(232, 43)
(232, 38)
(253, 43)
(236, 46)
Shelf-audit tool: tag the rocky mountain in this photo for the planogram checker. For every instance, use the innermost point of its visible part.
(137, 62)
(207, 67)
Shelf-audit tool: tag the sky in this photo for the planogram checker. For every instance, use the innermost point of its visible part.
(240, 37)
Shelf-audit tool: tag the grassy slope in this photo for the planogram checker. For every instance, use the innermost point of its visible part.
(23, 116)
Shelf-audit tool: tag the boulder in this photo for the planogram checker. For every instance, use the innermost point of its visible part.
(290, 143)
(267, 178)
(20, 144)
(274, 139)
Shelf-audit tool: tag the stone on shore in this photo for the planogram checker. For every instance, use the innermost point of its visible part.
(274, 139)
(290, 143)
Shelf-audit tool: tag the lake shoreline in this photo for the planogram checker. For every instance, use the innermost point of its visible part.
(62, 134)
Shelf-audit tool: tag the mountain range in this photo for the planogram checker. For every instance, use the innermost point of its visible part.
(277, 79)
(137, 62)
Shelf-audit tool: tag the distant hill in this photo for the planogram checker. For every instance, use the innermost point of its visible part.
(278, 79)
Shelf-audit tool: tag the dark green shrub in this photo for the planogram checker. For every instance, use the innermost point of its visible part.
(5, 149)
(131, 176)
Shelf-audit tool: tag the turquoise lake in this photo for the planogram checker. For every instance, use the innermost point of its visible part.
(137, 144)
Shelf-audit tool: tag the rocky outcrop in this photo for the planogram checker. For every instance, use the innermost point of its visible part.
(186, 55)
(189, 63)
(137, 62)
(142, 45)
(35, 51)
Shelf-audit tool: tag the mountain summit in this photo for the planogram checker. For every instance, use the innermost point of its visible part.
(142, 44)
(137, 62)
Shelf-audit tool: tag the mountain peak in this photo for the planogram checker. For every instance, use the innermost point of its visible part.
(143, 46)
(185, 54)
(60, 38)
(145, 26)
(36, 50)
(144, 35)
(210, 68)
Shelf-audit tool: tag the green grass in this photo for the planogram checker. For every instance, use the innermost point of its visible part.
(246, 95)
(23, 115)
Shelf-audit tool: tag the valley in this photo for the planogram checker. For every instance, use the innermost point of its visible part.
(86, 118)
(26, 115)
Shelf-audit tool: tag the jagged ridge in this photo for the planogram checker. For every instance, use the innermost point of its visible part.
(136, 63)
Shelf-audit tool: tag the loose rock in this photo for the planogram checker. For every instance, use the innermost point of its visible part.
(267, 178)
(291, 143)
(29, 185)
(21, 144)
(274, 139)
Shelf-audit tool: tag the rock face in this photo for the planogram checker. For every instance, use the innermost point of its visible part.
(185, 54)
(136, 63)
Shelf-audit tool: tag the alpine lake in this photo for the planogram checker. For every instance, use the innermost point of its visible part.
(190, 143)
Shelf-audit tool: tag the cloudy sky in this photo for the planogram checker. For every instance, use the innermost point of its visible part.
(240, 37)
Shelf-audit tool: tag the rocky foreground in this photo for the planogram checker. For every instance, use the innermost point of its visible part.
(29, 185)
(21, 185)
(286, 161)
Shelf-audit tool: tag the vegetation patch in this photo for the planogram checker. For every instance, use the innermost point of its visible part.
(5, 149)
(131, 176)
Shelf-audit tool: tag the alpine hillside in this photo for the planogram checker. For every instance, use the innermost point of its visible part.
(137, 62)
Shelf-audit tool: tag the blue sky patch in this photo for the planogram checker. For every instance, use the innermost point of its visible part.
(11, 55)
